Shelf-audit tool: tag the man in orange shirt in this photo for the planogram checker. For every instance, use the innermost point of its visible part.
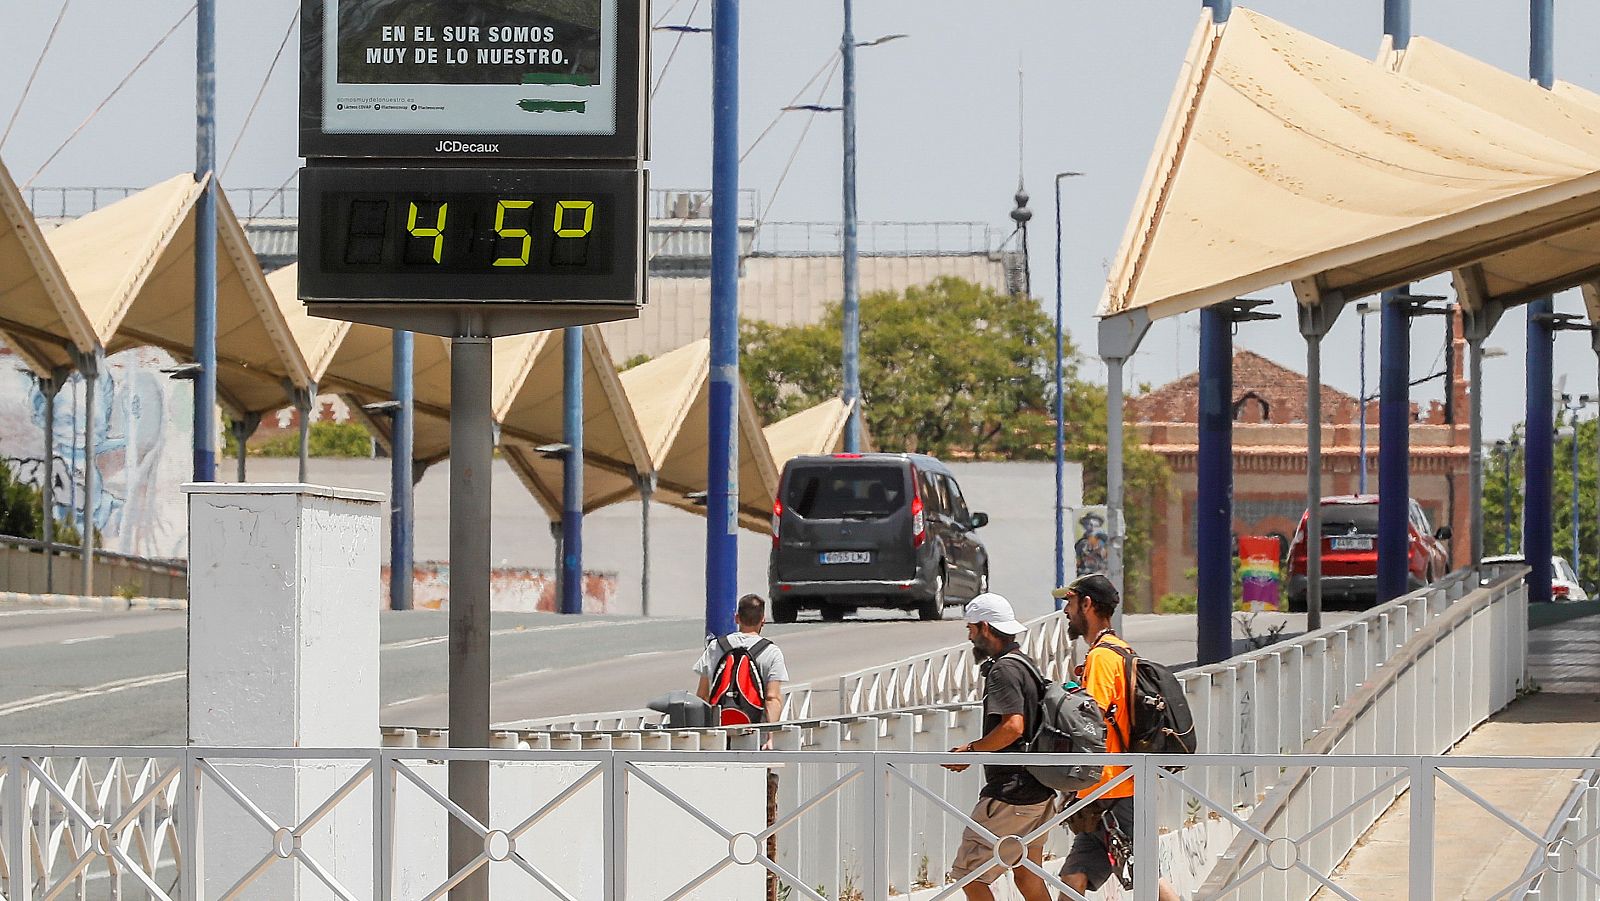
(1090, 602)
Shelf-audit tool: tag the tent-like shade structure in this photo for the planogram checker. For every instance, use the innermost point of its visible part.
(671, 399)
(1286, 159)
(356, 361)
(1570, 116)
(131, 267)
(528, 405)
(818, 430)
(39, 316)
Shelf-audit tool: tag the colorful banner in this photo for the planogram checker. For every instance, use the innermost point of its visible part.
(1258, 565)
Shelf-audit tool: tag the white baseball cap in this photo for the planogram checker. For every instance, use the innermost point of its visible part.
(996, 611)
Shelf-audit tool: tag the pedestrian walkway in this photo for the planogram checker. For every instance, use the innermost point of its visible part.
(1475, 854)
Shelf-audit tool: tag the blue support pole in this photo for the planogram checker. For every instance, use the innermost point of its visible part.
(1220, 9)
(1537, 455)
(852, 277)
(1397, 22)
(1214, 496)
(401, 509)
(572, 471)
(205, 245)
(722, 458)
(1394, 448)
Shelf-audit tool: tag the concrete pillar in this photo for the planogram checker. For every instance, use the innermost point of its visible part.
(283, 653)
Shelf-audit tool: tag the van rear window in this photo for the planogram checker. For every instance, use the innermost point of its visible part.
(845, 492)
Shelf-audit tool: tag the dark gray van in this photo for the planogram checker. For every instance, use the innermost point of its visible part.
(873, 530)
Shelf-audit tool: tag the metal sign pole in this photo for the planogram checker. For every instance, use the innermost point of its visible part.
(471, 459)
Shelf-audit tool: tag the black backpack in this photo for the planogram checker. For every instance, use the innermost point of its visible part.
(1068, 722)
(1160, 721)
(737, 690)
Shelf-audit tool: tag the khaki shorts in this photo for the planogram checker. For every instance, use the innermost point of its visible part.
(1002, 819)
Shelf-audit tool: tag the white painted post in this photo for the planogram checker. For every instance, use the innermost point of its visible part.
(283, 653)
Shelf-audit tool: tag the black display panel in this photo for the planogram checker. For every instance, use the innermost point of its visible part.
(383, 234)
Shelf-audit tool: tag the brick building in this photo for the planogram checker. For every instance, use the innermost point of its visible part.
(1269, 458)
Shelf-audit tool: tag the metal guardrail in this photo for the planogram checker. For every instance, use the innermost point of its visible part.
(23, 563)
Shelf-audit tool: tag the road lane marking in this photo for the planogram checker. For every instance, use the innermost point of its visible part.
(78, 694)
(39, 612)
(409, 643)
(88, 638)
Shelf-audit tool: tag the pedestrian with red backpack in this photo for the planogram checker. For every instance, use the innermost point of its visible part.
(741, 673)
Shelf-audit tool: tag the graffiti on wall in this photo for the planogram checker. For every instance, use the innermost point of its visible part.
(141, 429)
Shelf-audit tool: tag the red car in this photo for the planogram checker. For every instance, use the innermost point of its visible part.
(1350, 552)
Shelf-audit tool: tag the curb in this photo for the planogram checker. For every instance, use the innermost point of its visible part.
(75, 602)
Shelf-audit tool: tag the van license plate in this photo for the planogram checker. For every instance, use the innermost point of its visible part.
(846, 556)
(1351, 544)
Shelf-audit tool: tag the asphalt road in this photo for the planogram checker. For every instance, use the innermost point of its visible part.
(74, 677)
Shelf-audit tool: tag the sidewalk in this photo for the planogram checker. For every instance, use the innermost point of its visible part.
(1475, 854)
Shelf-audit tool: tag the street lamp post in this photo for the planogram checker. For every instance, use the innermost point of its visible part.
(1572, 405)
(1061, 429)
(851, 307)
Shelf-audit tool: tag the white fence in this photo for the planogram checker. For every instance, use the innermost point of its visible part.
(1328, 691)
(854, 806)
(609, 825)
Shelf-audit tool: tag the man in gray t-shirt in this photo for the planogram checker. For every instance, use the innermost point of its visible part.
(751, 616)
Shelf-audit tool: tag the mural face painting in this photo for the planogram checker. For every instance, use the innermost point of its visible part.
(141, 443)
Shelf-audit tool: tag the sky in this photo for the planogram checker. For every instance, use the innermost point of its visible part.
(938, 127)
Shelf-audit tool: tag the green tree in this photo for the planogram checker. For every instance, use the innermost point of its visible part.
(1497, 494)
(958, 371)
(21, 511)
(327, 439)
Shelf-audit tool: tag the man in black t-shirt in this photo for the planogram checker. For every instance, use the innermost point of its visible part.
(1012, 802)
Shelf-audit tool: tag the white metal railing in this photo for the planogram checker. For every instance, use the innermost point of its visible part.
(615, 823)
(1566, 857)
(1324, 692)
(1408, 686)
(949, 675)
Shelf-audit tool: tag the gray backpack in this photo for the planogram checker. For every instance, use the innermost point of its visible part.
(1069, 721)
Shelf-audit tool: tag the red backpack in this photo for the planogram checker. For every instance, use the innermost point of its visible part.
(736, 688)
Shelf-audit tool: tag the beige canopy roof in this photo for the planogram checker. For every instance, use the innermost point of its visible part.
(131, 266)
(1286, 159)
(357, 361)
(38, 313)
(1561, 259)
(819, 430)
(528, 404)
(671, 399)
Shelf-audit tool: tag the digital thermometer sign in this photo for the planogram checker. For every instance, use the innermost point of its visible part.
(470, 234)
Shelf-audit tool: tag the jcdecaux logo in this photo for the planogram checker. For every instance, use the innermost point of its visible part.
(464, 147)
